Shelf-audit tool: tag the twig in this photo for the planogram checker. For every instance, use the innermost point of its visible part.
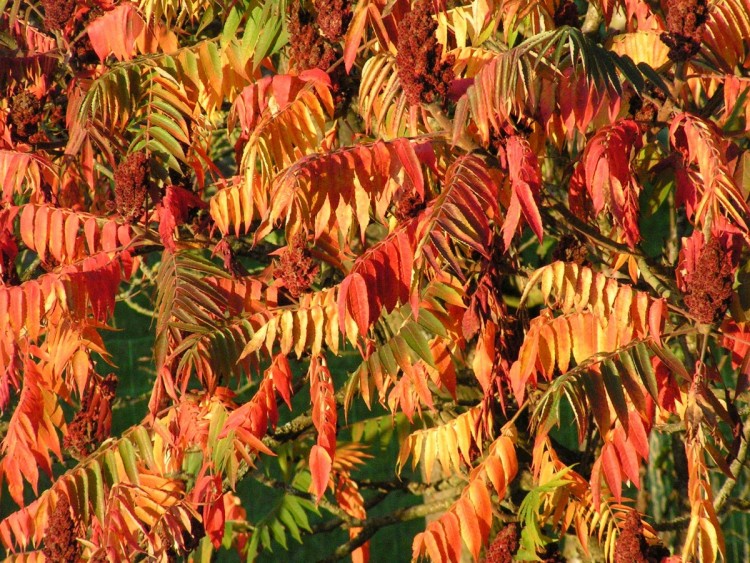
(371, 526)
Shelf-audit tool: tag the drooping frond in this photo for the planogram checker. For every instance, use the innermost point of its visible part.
(450, 444)
(67, 237)
(606, 173)
(188, 302)
(598, 317)
(707, 188)
(534, 79)
(379, 280)
(470, 517)
(411, 350)
(32, 435)
(625, 380)
(562, 499)
(338, 188)
(141, 466)
(464, 208)
(324, 418)
(308, 326)
(727, 27)
(383, 104)
(23, 172)
(281, 119)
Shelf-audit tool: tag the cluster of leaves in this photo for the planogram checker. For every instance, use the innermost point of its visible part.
(514, 218)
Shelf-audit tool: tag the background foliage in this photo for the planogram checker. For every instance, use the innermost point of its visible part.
(283, 273)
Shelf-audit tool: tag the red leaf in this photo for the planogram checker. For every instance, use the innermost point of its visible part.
(353, 299)
(627, 455)
(173, 211)
(281, 375)
(320, 469)
(214, 517)
(611, 469)
(609, 177)
(525, 181)
(512, 217)
(444, 364)
(116, 31)
(354, 35)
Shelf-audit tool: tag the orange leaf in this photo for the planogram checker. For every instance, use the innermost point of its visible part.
(116, 31)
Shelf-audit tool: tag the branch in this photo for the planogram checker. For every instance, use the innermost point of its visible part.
(722, 500)
(657, 282)
(372, 525)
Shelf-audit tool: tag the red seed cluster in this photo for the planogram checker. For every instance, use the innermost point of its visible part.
(25, 113)
(92, 424)
(708, 289)
(504, 545)
(296, 269)
(333, 18)
(60, 543)
(57, 13)
(631, 545)
(131, 185)
(685, 24)
(423, 74)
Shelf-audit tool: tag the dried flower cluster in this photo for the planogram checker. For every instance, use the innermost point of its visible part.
(191, 539)
(8, 252)
(646, 111)
(423, 73)
(57, 13)
(92, 424)
(60, 543)
(309, 48)
(296, 269)
(571, 249)
(333, 18)
(231, 263)
(408, 203)
(631, 546)
(131, 185)
(504, 545)
(566, 13)
(312, 50)
(707, 283)
(685, 23)
(25, 112)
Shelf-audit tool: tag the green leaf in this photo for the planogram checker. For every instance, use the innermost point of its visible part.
(94, 473)
(416, 340)
(286, 517)
(646, 371)
(279, 535)
(109, 469)
(82, 493)
(145, 446)
(127, 455)
(615, 391)
(431, 324)
(597, 396)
